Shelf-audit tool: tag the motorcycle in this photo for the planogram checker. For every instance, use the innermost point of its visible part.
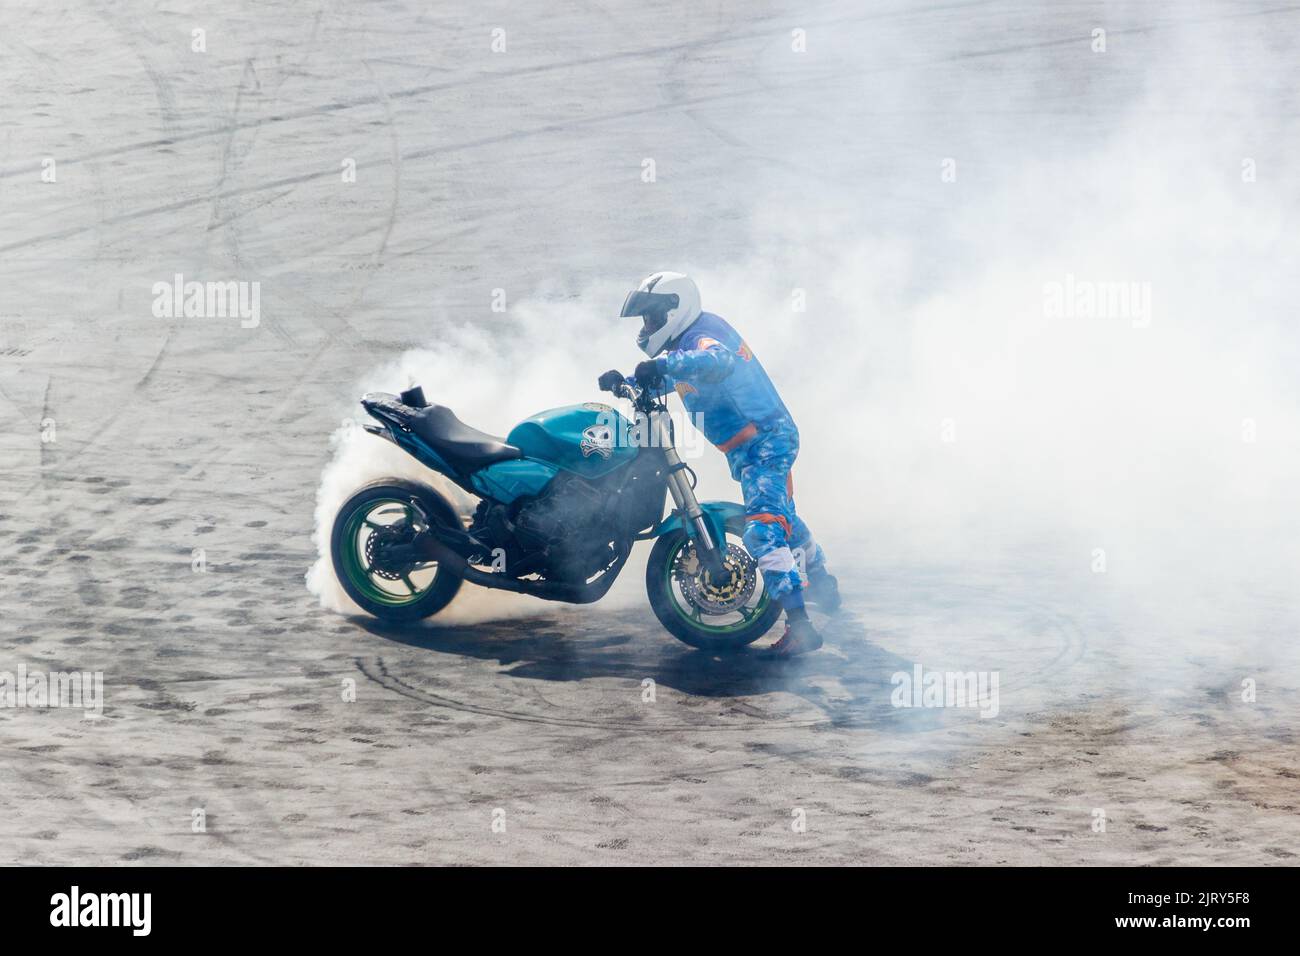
(561, 501)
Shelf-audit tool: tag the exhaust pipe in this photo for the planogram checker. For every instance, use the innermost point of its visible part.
(433, 549)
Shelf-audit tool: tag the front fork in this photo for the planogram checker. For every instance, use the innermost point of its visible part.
(710, 551)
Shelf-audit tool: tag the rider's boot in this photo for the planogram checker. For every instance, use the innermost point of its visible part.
(800, 636)
(822, 590)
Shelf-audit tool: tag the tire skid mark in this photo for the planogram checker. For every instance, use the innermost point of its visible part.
(376, 670)
(477, 79)
(310, 112)
(558, 127)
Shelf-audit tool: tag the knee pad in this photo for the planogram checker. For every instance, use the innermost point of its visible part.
(778, 560)
(813, 556)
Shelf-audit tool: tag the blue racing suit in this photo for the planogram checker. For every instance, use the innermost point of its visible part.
(731, 399)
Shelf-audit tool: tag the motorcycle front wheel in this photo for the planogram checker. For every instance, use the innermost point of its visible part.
(712, 615)
(377, 517)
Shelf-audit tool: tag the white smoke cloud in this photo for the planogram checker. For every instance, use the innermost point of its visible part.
(492, 380)
(949, 415)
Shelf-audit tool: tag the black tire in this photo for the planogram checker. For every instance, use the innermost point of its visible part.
(665, 604)
(348, 562)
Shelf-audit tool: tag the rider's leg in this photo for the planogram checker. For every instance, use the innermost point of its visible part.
(768, 524)
(768, 514)
(801, 538)
(822, 589)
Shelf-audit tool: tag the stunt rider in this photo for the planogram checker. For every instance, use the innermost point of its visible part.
(725, 389)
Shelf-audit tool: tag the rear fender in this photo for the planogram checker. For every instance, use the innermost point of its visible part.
(417, 449)
(393, 415)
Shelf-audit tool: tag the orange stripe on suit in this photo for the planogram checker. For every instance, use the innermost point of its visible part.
(766, 518)
(738, 439)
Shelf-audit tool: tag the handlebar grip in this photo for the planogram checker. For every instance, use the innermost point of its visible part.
(610, 381)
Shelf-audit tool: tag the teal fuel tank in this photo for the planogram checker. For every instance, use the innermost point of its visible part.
(518, 478)
(589, 439)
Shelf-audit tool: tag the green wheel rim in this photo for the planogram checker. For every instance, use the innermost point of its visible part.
(354, 559)
(695, 621)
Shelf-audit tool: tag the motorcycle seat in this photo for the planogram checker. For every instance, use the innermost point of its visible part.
(458, 443)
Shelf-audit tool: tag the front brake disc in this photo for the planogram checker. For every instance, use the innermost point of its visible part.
(717, 597)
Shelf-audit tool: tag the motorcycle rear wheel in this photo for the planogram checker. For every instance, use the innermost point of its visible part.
(383, 510)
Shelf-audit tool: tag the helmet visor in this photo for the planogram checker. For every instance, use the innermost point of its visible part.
(648, 304)
(653, 307)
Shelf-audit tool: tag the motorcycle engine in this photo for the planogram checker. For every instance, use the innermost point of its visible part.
(563, 533)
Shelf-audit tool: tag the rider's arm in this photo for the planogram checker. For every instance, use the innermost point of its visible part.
(712, 363)
(661, 387)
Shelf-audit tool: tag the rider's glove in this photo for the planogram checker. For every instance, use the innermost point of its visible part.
(649, 374)
(608, 381)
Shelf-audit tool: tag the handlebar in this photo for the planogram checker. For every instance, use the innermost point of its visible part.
(643, 400)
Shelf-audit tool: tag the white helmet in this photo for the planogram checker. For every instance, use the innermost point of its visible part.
(668, 302)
